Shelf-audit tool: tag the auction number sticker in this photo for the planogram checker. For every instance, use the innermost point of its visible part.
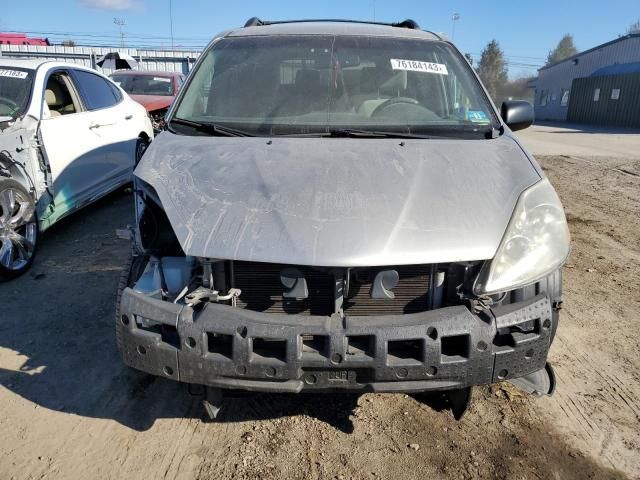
(13, 73)
(418, 66)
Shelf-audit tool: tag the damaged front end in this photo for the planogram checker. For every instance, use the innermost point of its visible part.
(21, 156)
(24, 193)
(290, 328)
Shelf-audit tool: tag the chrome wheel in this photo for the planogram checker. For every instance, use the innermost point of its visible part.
(18, 228)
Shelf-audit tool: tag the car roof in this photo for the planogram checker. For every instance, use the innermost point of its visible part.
(29, 63)
(324, 27)
(155, 73)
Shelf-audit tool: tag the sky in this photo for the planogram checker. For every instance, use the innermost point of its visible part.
(526, 31)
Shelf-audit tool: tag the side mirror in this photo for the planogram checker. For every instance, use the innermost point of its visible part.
(517, 114)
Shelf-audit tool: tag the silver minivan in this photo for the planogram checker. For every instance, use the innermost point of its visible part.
(338, 205)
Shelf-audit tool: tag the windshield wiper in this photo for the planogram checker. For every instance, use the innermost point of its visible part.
(357, 133)
(211, 128)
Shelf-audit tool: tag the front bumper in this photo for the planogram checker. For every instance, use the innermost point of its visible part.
(442, 349)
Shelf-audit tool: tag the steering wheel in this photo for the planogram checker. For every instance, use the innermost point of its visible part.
(393, 101)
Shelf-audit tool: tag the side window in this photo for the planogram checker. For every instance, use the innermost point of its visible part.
(96, 91)
(116, 92)
(60, 96)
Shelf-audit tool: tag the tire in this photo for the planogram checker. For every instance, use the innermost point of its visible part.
(141, 146)
(130, 274)
(19, 229)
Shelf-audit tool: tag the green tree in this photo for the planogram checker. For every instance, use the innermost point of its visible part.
(564, 49)
(492, 68)
(634, 27)
(469, 58)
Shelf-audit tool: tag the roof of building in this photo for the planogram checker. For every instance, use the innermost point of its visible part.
(617, 69)
(330, 27)
(619, 39)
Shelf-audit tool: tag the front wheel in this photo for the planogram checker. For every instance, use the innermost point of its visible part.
(18, 229)
(141, 146)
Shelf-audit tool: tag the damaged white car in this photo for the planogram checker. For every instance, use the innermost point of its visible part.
(68, 136)
(339, 206)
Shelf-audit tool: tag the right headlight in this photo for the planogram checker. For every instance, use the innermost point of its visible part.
(535, 244)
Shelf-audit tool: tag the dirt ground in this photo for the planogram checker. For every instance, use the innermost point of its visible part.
(70, 409)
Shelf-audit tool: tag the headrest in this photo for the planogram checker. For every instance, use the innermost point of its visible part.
(54, 95)
(50, 97)
(397, 82)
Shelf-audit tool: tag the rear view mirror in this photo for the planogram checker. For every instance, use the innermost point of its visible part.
(517, 114)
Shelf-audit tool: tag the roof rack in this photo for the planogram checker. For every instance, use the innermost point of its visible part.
(408, 23)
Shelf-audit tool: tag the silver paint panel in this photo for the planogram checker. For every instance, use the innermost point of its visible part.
(338, 202)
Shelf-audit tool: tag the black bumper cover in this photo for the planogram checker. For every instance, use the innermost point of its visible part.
(442, 349)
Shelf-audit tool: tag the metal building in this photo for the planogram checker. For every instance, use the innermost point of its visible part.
(562, 87)
(162, 60)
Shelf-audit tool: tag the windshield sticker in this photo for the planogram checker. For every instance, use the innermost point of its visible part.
(161, 79)
(418, 66)
(477, 116)
(13, 73)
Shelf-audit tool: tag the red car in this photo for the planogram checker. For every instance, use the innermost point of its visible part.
(153, 90)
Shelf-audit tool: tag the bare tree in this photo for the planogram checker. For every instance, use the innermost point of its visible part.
(634, 27)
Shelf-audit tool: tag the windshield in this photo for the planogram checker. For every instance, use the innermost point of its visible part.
(15, 90)
(304, 84)
(144, 84)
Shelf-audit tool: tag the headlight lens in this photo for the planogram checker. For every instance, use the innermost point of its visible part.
(535, 244)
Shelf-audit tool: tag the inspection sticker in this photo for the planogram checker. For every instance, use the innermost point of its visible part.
(161, 79)
(13, 73)
(418, 66)
(477, 116)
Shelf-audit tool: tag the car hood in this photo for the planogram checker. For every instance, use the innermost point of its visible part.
(153, 102)
(337, 202)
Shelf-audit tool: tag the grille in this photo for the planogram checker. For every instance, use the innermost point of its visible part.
(410, 294)
(262, 290)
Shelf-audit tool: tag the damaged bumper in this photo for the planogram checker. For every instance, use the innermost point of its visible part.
(225, 347)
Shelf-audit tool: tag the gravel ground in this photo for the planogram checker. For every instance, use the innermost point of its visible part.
(70, 409)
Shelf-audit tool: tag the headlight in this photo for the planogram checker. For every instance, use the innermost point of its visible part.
(535, 244)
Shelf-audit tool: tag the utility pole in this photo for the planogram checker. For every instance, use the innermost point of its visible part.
(121, 23)
(374, 10)
(454, 18)
(171, 21)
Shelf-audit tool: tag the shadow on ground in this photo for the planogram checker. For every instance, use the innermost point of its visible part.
(57, 340)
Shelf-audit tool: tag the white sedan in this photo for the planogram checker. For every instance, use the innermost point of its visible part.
(68, 136)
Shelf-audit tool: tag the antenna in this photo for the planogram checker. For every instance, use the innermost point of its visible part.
(121, 23)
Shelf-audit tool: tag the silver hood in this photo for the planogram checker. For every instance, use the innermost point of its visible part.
(337, 202)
